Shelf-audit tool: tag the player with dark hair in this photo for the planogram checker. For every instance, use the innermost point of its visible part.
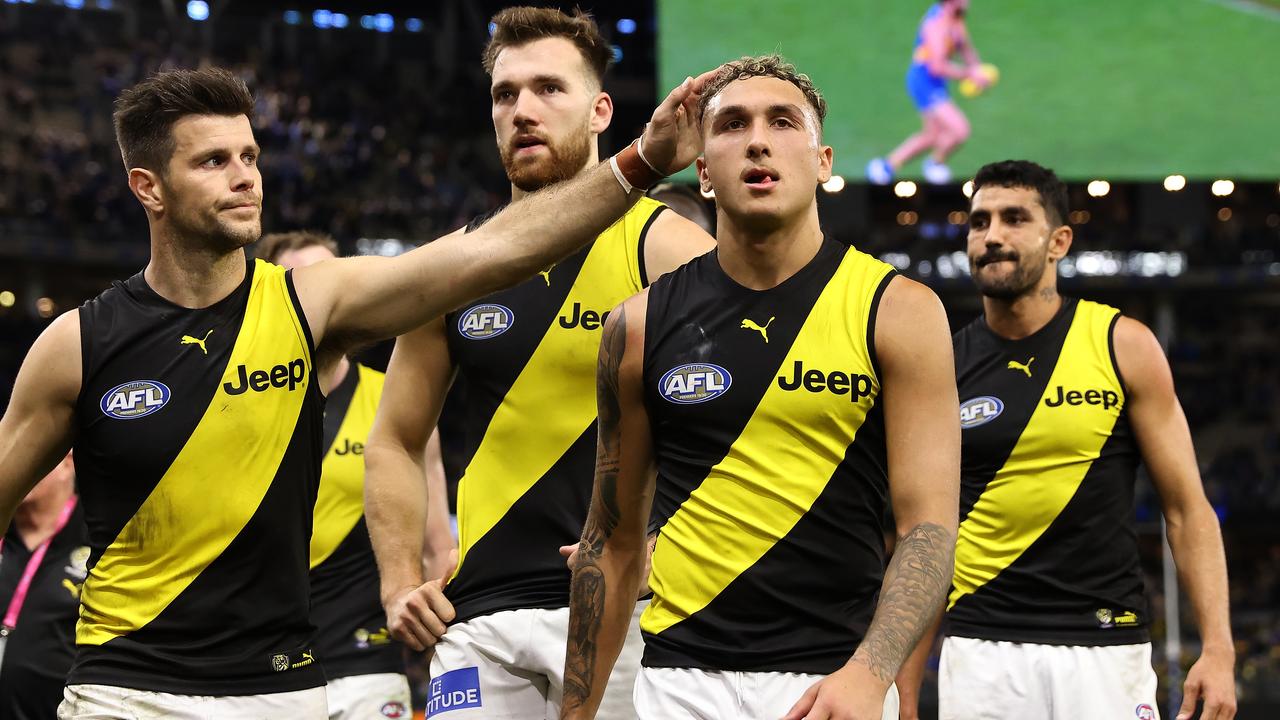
(1062, 399)
(942, 33)
(193, 393)
(768, 399)
(526, 358)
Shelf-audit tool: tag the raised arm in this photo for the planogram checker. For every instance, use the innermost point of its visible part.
(1192, 527)
(611, 556)
(922, 427)
(351, 300)
(37, 428)
(396, 487)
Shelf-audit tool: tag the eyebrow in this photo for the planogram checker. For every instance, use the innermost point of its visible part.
(776, 109)
(541, 79)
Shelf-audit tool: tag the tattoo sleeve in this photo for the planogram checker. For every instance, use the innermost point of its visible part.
(914, 588)
(587, 590)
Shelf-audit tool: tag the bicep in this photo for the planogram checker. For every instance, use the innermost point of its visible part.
(418, 378)
(37, 428)
(1156, 416)
(672, 241)
(921, 409)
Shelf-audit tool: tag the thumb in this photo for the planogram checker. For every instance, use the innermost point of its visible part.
(567, 550)
(450, 565)
(1190, 693)
(804, 704)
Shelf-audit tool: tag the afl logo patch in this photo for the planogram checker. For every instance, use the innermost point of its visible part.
(980, 411)
(694, 383)
(394, 710)
(1145, 712)
(134, 399)
(483, 322)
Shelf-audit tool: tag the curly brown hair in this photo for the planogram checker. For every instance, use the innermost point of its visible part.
(516, 26)
(774, 66)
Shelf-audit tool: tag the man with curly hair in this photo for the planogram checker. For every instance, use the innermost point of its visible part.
(767, 400)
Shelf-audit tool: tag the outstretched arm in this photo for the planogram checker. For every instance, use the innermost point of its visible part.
(1192, 527)
(922, 427)
(612, 553)
(352, 300)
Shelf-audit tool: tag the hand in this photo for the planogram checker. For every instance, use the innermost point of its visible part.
(979, 76)
(850, 693)
(1211, 679)
(673, 136)
(418, 616)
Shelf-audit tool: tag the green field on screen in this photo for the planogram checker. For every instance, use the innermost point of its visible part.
(1120, 89)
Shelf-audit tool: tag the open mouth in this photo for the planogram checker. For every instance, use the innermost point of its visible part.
(983, 262)
(527, 142)
(760, 178)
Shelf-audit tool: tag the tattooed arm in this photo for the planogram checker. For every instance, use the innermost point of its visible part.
(611, 556)
(922, 427)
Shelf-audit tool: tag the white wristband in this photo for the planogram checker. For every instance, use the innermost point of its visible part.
(640, 152)
(617, 173)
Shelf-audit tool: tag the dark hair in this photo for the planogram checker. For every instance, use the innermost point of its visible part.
(516, 26)
(1026, 174)
(774, 66)
(145, 113)
(272, 245)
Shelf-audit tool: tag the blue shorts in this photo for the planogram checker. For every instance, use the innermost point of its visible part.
(925, 88)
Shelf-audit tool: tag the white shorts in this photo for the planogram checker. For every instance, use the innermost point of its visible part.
(107, 702)
(690, 694)
(989, 680)
(376, 696)
(510, 666)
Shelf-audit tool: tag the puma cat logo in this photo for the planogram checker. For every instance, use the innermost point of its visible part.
(188, 340)
(1015, 365)
(750, 324)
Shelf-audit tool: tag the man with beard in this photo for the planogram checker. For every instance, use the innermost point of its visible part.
(1061, 399)
(194, 391)
(768, 399)
(526, 356)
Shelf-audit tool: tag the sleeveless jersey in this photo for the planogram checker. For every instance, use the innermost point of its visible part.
(351, 635)
(527, 357)
(1047, 550)
(197, 458)
(769, 442)
(920, 51)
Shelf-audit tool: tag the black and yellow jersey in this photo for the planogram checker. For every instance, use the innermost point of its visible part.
(1047, 549)
(346, 608)
(769, 441)
(527, 358)
(197, 458)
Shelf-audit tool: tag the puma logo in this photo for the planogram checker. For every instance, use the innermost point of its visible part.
(72, 588)
(750, 324)
(307, 656)
(188, 340)
(1015, 365)
(546, 274)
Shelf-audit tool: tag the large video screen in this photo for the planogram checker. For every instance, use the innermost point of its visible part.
(1115, 89)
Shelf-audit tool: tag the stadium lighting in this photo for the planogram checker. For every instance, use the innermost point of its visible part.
(1222, 188)
(74, 4)
(905, 189)
(198, 10)
(7, 298)
(46, 307)
(1224, 214)
(383, 22)
(957, 217)
(617, 54)
(626, 26)
(907, 217)
(1099, 188)
(413, 25)
(322, 18)
(366, 22)
(493, 28)
(340, 20)
(967, 188)
(104, 4)
(1174, 183)
(292, 17)
(834, 185)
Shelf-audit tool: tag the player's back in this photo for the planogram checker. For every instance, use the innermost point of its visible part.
(769, 441)
(1047, 551)
(197, 461)
(527, 359)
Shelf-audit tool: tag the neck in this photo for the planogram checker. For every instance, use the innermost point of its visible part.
(763, 258)
(1024, 315)
(37, 519)
(592, 160)
(191, 277)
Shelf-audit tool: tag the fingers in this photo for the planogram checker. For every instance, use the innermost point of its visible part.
(674, 99)
(450, 565)
(420, 617)
(567, 550)
(1218, 705)
(570, 555)
(1190, 694)
(801, 709)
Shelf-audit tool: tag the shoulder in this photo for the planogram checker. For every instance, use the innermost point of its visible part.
(903, 298)
(1139, 358)
(54, 361)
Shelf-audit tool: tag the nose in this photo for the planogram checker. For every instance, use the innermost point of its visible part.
(524, 113)
(244, 176)
(758, 143)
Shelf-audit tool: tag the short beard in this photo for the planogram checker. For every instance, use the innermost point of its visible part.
(213, 234)
(565, 161)
(1022, 281)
